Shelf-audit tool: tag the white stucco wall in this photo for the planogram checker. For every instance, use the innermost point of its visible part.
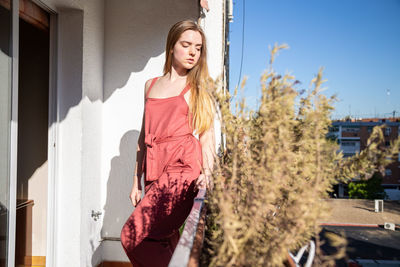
(213, 25)
(80, 95)
(93, 71)
(106, 51)
(68, 191)
(135, 36)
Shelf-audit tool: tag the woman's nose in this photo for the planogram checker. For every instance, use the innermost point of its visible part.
(192, 51)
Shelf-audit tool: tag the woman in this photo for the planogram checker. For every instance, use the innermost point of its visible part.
(174, 162)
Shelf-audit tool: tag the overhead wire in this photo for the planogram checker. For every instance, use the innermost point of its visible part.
(241, 57)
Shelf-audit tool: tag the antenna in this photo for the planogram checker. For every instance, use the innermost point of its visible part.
(350, 110)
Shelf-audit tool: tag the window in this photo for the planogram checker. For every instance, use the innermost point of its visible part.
(388, 130)
(333, 129)
(389, 186)
(346, 143)
(388, 172)
(369, 129)
(350, 129)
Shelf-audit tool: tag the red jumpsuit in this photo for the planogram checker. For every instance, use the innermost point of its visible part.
(172, 164)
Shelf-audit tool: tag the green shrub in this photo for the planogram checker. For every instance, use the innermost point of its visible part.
(368, 189)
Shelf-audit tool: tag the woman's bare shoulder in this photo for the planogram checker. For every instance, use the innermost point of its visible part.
(147, 85)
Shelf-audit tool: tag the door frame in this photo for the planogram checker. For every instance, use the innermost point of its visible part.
(53, 122)
(52, 152)
(13, 133)
(52, 145)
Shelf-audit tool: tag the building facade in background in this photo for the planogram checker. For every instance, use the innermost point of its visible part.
(352, 137)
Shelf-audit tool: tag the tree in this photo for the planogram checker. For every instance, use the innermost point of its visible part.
(368, 189)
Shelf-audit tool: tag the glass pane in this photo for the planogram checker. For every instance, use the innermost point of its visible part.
(33, 99)
(5, 119)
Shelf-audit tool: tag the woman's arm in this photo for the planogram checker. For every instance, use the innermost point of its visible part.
(140, 156)
(207, 141)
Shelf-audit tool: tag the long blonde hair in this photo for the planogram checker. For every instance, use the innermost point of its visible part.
(201, 103)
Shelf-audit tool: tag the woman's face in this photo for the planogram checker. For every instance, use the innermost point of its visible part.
(187, 49)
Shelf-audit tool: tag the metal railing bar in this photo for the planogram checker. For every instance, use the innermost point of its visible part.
(183, 249)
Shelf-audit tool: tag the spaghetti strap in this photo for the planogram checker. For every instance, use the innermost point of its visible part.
(151, 85)
(187, 88)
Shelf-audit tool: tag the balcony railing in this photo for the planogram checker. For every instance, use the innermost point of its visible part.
(188, 250)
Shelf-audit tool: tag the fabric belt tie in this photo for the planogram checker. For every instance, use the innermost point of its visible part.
(152, 159)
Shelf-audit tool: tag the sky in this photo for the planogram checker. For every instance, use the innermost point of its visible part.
(356, 41)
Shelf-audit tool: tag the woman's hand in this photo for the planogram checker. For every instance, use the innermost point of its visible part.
(135, 195)
(204, 181)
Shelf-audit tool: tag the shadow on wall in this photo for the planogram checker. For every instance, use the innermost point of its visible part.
(118, 206)
(136, 31)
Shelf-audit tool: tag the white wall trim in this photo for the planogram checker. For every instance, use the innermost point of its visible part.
(52, 193)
